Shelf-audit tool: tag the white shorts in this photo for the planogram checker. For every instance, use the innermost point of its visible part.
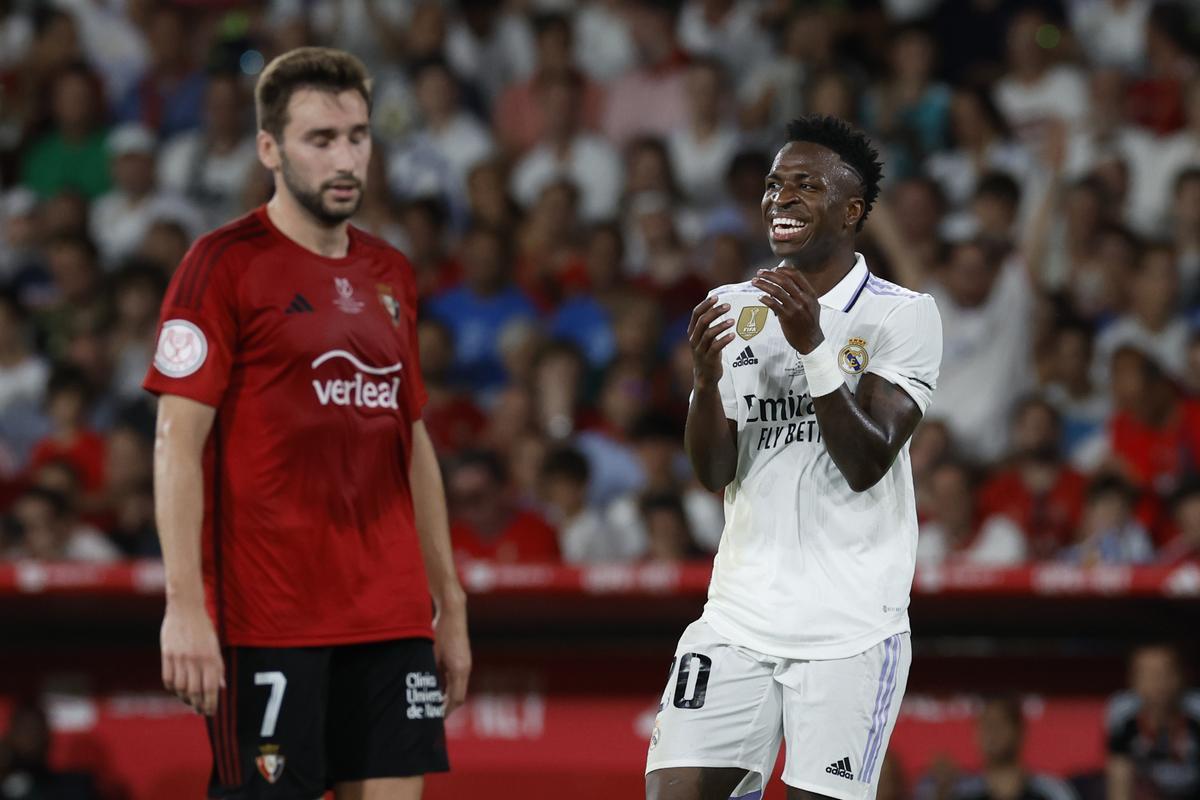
(729, 706)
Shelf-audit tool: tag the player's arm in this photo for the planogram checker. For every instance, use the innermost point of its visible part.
(1119, 777)
(863, 431)
(451, 645)
(710, 437)
(191, 655)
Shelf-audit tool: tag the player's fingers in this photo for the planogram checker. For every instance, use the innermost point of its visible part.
(456, 686)
(212, 681)
(710, 335)
(706, 321)
(698, 311)
(168, 671)
(194, 689)
(773, 289)
(802, 283)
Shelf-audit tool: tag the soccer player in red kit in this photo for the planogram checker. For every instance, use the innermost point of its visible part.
(298, 497)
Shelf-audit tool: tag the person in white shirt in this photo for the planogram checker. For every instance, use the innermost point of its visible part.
(702, 151)
(121, 218)
(805, 424)
(585, 159)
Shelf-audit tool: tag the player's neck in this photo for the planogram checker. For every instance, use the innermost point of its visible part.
(296, 224)
(828, 273)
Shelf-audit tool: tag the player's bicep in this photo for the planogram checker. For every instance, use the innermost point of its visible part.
(891, 407)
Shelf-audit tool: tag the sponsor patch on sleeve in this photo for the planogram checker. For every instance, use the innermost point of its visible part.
(181, 349)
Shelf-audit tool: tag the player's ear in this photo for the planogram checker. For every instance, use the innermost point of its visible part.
(268, 150)
(854, 211)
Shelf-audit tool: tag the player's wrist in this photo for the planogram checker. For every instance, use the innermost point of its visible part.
(821, 369)
(451, 600)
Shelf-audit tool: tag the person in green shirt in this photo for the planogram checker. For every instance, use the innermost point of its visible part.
(71, 155)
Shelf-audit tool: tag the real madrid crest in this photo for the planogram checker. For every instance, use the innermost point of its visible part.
(853, 357)
(269, 762)
(389, 302)
(751, 321)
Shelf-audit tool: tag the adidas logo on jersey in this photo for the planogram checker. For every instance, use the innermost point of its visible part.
(299, 305)
(841, 769)
(745, 357)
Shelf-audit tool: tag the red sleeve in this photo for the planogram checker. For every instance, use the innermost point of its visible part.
(197, 332)
(415, 385)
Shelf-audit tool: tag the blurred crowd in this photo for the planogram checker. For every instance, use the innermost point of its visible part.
(568, 180)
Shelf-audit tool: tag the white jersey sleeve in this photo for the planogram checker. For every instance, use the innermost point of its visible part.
(909, 353)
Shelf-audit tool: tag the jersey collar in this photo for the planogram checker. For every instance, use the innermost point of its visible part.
(843, 296)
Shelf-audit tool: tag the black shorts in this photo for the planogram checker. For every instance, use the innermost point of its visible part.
(293, 722)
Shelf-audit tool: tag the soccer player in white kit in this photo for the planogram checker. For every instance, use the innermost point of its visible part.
(805, 423)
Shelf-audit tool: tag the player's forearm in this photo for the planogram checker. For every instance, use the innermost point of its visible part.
(709, 439)
(179, 509)
(858, 444)
(433, 525)
(1119, 774)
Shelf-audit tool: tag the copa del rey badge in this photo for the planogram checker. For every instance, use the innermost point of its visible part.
(270, 762)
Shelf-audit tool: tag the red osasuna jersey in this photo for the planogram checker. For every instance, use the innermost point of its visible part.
(311, 363)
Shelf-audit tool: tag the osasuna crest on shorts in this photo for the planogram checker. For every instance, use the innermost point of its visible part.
(270, 762)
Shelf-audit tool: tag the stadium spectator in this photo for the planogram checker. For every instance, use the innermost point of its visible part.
(702, 150)
(567, 151)
(518, 113)
(484, 521)
(169, 97)
(23, 372)
(1037, 490)
(488, 199)
(650, 98)
(1068, 386)
(549, 265)
(604, 46)
(137, 294)
(668, 533)
(1153, 323)
(1000, 735)
(71, 155)
(1185, 233)
(20, 232)
(25, 770)
(583, 532)
(1153, 730)
(478, 310)
(1109, 533)
(724, 30)
(208, 166)
(1185, 519)
(44, 526)
(426, 241)
(1156, 99)
(121, 217)
(1112, 32)
(950, 530)
(585, 318)
(68, 396)
(490, 45)
(436, 157)
(454, 422)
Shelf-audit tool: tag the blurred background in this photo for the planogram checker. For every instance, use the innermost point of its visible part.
(568, 180)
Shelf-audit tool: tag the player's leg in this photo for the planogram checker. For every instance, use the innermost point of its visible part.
(267, 735)
(838, 717)
(384, 726)
(381, 789)
(694, 783)
(719, 723)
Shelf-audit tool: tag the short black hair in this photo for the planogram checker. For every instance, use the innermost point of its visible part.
(568, 463)
(852, 147)
(1000, 185)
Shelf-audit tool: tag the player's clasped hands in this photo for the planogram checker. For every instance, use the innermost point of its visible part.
(192, 667)
(707, 340)
(794, 301)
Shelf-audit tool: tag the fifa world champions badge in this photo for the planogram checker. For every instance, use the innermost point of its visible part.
(853, 357)
(751, 321)
(270, 762)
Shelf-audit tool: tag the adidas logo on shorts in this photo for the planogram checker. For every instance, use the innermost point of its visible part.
(841, 769)
(745, 357)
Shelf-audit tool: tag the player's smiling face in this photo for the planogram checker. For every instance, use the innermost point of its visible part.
(325, 150)
(806, 204)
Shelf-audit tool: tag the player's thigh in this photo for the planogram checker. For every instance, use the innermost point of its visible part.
(838, 716)
(721, 709)
(381, 789)
(694, 783)
(267, 736)
(385, 712)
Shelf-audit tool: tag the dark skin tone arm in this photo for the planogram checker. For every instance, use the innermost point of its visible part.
(710, 438)
(863, 431)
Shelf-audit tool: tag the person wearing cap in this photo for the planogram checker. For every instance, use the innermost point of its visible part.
(121, 218)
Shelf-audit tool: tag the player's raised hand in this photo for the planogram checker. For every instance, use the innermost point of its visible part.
(707, 341)
(789, 294)
(192, 667)
(452, 651)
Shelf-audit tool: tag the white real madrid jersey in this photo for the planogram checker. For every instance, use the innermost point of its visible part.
(807, 568)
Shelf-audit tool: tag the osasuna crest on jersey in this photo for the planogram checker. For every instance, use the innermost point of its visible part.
(270, 762)
(389, 302)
